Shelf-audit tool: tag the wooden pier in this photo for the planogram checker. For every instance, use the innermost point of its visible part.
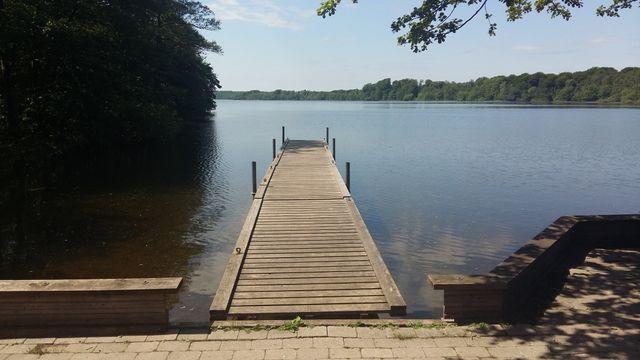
(304, 248)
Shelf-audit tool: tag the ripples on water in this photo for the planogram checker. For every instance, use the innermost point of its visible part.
(443, 188)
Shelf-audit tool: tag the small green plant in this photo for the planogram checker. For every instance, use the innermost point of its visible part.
(437, 325)
(401, 336)
(292, 325)
(39, 349)
(479, 326)
(357, 324)
(384, 325)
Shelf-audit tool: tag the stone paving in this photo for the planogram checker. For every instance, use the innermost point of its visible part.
(578, 324)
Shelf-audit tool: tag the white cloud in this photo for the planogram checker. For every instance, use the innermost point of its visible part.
(527, 48)
(600, 40)
(264, 12)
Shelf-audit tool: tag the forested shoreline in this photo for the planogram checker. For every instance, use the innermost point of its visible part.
(596, 85)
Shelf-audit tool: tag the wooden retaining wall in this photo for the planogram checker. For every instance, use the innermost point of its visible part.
(42, 307)
(508, 291)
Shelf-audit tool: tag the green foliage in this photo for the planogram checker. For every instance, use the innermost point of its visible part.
(433, 20)
(102, 73)
(597, 85)
(85, 77)
(292, 325)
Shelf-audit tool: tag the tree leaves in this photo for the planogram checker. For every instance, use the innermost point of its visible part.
(433, 20)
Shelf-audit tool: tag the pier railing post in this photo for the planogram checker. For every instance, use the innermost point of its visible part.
(283, 136)
(327, 138)
(254, 178)
(334, 149)
(274, 148)
(348, 166)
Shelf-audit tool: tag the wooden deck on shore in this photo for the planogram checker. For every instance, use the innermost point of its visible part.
(304, 248)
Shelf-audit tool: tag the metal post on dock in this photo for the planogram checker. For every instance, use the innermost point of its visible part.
(348, 166)
(327, 138)
(254, 178)
(274, 148)
(283, 136)
(334, 149)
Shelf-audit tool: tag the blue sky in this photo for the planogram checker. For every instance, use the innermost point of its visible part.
(270, 44)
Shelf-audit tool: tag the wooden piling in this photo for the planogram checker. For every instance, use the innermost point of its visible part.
(254, 178)
(274, 148)
(348, 182)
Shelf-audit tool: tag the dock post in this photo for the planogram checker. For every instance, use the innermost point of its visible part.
(274, 148)
(334, 149)
(283, 136)
(254, 178)
(348, 166)
(327, 138)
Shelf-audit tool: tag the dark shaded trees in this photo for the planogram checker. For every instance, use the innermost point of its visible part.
(86, 76)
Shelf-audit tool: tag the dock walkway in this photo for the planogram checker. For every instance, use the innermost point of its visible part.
(304, 248)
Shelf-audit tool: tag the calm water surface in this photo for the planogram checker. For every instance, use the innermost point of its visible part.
(443, 188)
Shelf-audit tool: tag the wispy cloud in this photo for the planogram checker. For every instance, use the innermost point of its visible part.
(600, 40)
(528, 48)
(264, 12)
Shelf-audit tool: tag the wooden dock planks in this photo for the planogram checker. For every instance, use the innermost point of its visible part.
(304, 248)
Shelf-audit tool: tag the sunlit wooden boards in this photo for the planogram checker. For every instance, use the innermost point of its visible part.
(304, 249)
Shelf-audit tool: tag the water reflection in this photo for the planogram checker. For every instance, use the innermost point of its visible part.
(135, 214)
(443, 188)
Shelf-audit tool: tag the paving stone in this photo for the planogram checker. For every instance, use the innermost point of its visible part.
(169, 335)
(280, 354)
(132, 338)
(538, 351)
(248, 355)
(15, 341)
(266, 344)
(157, 355)
(440, 352)
(80, 348)
(40, 341)
(312, 354)
(297, 343)
(359, 343)
(173, 345)
(252, 335)
(430, 333)
(58, 356)
(314, 331)
(342, 353)
(408, 352)
(370, 333)
(70, 340)
(235, 345)
(280, 334)
(192, 336)
(115, 356)
(377, 353)
(205, 345)
(22, 357)
(328, 342)
(110, 347)
(450, 342)
(217, 355)
(505, 352)
(184, 355)
(471, 351)
(388, 343)
(139, 347)
(341, 331)
(223, 335)
(100, 339)
(419, 342)
(402, 333)
(17, 349)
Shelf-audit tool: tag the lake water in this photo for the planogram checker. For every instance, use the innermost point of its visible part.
(443, 188)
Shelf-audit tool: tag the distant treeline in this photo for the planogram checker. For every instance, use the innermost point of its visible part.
(598, 85)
